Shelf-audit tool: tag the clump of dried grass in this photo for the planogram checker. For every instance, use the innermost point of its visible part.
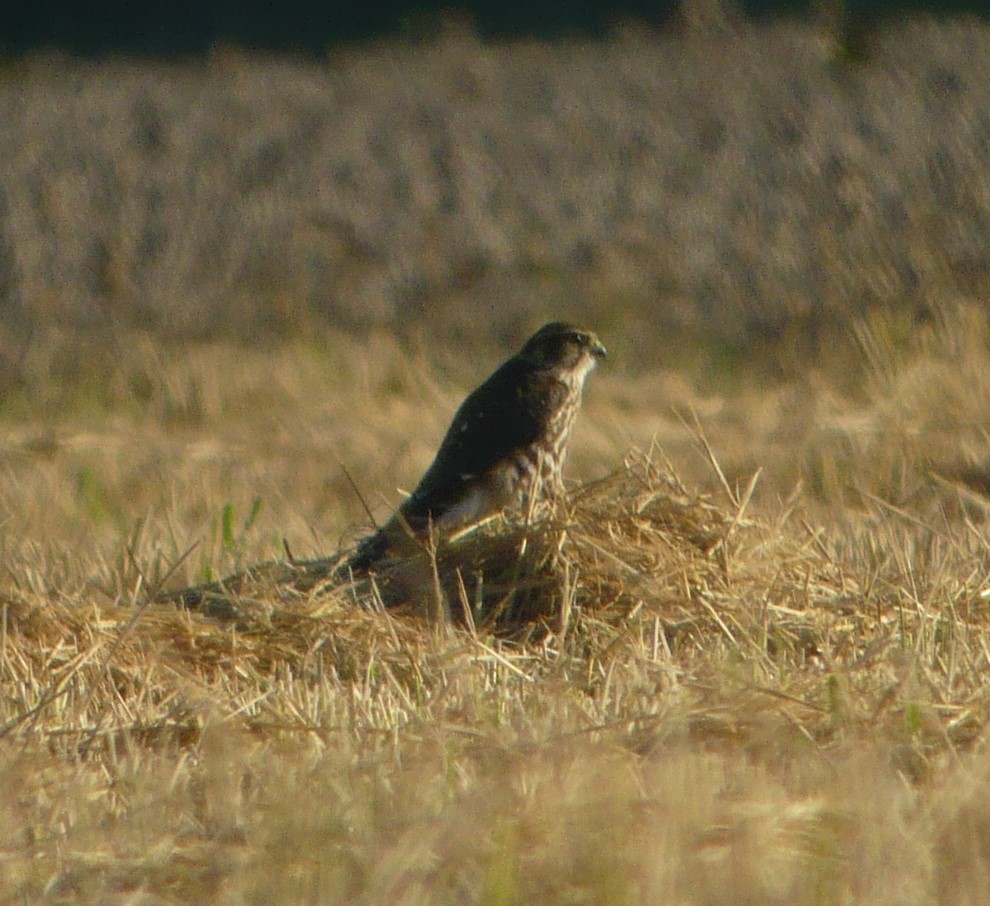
(634, 537)
(637, 534)
(632, 548)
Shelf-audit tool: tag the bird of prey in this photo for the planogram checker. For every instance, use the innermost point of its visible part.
(505, 446)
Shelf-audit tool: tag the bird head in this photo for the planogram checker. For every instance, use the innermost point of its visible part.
(565, 347)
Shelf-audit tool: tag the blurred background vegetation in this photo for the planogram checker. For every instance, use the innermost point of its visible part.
(708, 183)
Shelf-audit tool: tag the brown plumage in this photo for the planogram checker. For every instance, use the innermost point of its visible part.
(506, 444)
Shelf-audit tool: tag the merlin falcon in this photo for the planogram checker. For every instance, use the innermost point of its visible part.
(505, 446)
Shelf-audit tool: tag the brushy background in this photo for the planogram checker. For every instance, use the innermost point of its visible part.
(728, 184)
(227, 285)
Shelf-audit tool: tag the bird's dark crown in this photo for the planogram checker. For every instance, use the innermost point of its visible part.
(560, 343)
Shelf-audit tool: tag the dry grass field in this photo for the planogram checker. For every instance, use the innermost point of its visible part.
(745, 662)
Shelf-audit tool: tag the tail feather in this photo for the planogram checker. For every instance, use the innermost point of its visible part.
(369, 551)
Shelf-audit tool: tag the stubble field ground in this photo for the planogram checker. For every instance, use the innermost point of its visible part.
(745, 663)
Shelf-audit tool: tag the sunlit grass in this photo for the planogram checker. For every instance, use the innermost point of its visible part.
(774, 698)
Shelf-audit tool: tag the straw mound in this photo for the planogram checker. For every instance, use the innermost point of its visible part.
(634, 543)
(635, 535)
